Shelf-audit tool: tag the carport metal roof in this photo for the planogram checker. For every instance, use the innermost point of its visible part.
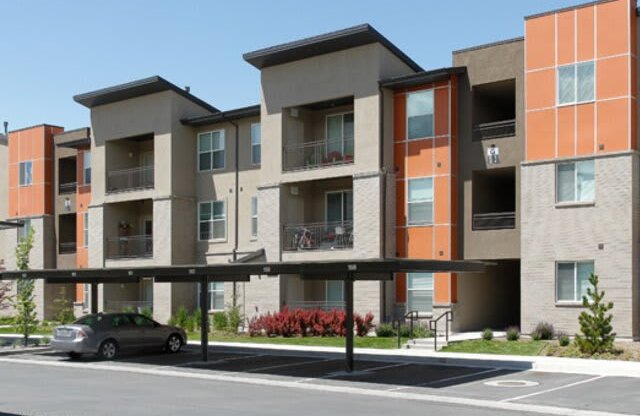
(345, 270)
(5, 225)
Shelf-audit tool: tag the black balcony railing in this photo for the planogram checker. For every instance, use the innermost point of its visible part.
(494, 130)
(494, 221)
(311, 155)
(133, 246)
(325, 305)
(130, 179)
(67, 248)
(318, 236)
(67, 188)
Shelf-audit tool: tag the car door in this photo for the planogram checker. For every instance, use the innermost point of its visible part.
(149, 334)
(124, 331)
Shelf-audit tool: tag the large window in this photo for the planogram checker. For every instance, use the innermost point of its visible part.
(255, 144)
(23, 232)
(85, 229)
(572, 280)
(576, 83)
(26, 173)
(254, 216)
(211, 150)
(86, 168)
(576, 182)
(212, 224)
(420, 292)
(420, 114)
(86, 295)
(340, 133)
(420, 201)
(216, 296)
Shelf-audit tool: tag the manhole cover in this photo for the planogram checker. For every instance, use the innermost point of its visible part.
(511, 383)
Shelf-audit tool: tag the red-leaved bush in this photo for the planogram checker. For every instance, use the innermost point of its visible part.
(302, 322)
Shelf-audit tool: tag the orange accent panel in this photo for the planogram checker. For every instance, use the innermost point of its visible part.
(14, 175)
(401, 205)
(441, 288)
(38, 171)
(13, 203)
(401, 242)
(441, 200)
(420, 242)
(566, 131)
(399, 117)
(612, 21)
(443, 235)
(613, 125)
(399, 159)
(441, 109)
(566, 41)
(442, 156)
(585, 33)
(401, 287)
(612, 78)
(420, 158)
(541, 91)
(540, 42)
(541, 135)
(79, 292)
(586, 129)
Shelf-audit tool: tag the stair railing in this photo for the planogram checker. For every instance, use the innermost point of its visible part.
(433, 327)
(412, 316)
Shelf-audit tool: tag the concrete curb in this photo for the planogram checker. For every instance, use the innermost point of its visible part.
(611, 368)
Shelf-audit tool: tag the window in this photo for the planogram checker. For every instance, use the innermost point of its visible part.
(340, 133)
(86, 168)
(335, 294)
(576, 182)
(26, 176)
(572, 280)
(255, 144)
(85, 229)
(576, 83)
(420, 201)
(86, 295)
(254, 216)
(216, 296)
(420, 114)
(211, 150)
(23, 232)
(212, 220)
(420, 292)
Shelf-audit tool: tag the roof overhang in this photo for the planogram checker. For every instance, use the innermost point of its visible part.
(223, 116)
(135, 89)
(421, 78)
(6, 225)
(330, 42)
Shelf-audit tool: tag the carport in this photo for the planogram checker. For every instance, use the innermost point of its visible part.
(347, 271)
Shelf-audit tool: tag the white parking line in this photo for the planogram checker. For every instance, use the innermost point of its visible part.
(443, 380)
(273, 367)
(537, 393)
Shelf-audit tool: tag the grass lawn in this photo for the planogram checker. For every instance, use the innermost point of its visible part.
(360, 342)
(48, 331)
(480, 346)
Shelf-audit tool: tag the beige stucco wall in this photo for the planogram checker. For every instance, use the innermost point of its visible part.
(551, 233)
(4, 179)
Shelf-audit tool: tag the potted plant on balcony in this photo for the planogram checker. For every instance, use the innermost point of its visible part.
(333, 157)
(124, 230)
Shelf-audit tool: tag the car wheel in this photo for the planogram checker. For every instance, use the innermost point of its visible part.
(174, 343)
(74, 355)
(108, 350)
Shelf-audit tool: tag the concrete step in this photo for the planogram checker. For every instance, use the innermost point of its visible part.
(425, 344)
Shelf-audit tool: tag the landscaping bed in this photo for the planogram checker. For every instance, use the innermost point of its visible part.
(498, 346)
(335, 341)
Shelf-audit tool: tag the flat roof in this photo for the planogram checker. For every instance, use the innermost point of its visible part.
(564, 9)
(135, 89)
(423, 77)
(35, 127)
(73, 138)
(322, 44)
(489, 45)
(235, 114)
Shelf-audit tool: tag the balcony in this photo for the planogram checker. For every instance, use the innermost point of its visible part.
(325, 305)
(494, 130)
(312, 155)
(494, 110)
(494, 199)
(67, 247)
(126, 180)
(67, 188)
(494, 221)
(129, 247)
(318, 236)
(134, 306)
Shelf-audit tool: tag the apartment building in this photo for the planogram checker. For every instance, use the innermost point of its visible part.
(523, 153)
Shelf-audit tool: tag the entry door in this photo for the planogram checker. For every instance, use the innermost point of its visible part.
(147, 228)
(340, 134)
(339, 206)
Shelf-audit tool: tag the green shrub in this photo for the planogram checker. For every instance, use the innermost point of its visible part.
(513, 334)
(385, 331)
(6, 320)
(182, 316)
(487, 334)
(147, 311)
(129, 309)
(544, 330)
(563, 340)
(46, 340)
(36, 342)
(172, 321)
(220, 321)
(234, 319)
(597, 334)
(418, 331)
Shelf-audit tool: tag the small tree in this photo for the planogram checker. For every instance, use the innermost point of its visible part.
(5, 295)
(595, 324)
(64, 307)
(25, 321)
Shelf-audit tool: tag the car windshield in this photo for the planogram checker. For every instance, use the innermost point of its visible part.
(90, 320)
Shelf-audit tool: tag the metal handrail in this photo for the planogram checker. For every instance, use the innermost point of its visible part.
(67, 188)
(134, 246)
(413, 316)
(141, 177)
(317, 236)
(494, 220)
(67, 247)
(433, 327)
(310, 155)
(494, 130)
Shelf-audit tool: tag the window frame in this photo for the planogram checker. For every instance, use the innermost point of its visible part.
(86, 156)
(575, 301)
(259, 144)
(575, 83)
(254, 217)
(23, 232)
(408, 202)
(409, 290)
(210, 293)
(22, 173)
(575, 199)
(212, 151)
(212, 220)
(433, 114)
(85, 229)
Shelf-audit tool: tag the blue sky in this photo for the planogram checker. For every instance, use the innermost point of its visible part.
(52, 50)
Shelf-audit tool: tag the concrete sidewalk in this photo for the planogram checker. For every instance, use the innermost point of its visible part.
(510, 362)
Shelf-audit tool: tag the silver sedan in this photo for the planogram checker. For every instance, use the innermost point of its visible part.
(109, 333)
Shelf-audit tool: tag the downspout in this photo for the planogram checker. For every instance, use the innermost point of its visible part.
(383, 172)
(237, 201)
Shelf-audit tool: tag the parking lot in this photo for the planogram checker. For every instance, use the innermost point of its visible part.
(525, 390)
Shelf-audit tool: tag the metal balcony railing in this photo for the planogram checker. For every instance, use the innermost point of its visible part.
(325, 305)
(130, 179)
(311, 155)
(134, 246)
(135, 306)
(494, 221)
(494, 130)
(67, 248)
(318, 236)
(67, 188)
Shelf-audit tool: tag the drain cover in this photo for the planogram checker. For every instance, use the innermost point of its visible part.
(511, 383)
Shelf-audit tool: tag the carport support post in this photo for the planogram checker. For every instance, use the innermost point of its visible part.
(348, 296)
(94, 297)
(204, 317)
